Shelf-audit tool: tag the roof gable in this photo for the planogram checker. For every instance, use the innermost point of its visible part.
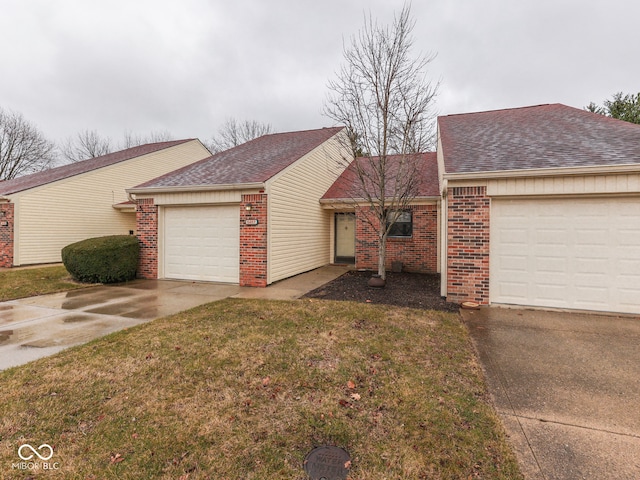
(45, 177)
(543, 136)
(253, 162)
(348, 185)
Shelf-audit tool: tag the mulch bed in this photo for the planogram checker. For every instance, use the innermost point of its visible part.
(414, 290)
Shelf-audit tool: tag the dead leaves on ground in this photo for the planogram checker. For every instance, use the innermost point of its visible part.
(353, 396)
(116, 458)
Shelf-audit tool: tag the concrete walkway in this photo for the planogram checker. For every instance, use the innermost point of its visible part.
(567, 388)
(36, 327)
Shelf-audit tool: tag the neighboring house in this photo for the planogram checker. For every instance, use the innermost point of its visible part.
(250, 215)
(43, 212)
(535, 206)
(413, 241)
(542, 208)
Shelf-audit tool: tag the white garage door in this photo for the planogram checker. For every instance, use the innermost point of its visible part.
(202, 243)
(566, 253)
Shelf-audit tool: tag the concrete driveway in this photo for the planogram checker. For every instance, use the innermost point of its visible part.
(567, 388)
(36, 327)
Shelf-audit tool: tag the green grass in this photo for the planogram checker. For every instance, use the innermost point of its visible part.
(244, 389)
(29, 282)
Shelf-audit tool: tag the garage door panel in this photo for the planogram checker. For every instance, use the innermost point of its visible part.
(514, 237)
(576, 253)
(551, 265)
(629, 268)
(551, 237)
(592, 237)
(512, 290)
(550, 294)
(202, 243)
(514, 263)
(628, 297)
(591, 295)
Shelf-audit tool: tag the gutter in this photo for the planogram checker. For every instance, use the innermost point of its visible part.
(126, 206)
(544, 172)
(336, 202)
(195, 188)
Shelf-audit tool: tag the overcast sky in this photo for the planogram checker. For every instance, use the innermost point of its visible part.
(186, 66)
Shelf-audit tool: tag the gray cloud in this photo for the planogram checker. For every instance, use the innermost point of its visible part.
(185, 67)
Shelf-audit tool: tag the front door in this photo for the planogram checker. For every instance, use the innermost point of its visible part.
(345, 237)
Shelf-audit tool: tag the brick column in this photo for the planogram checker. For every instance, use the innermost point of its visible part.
(147, 228)
(253, 241)
(6, 234)
(468, 245)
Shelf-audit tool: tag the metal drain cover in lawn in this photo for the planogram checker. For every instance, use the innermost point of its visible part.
(327, 463)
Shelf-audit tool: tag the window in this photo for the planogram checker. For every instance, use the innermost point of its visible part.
(403, 226)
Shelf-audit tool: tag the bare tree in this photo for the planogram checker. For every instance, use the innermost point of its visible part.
(133, 140)
(23, 149)
(90, 144)
(234, 133)
(382, 95)
(86, 144)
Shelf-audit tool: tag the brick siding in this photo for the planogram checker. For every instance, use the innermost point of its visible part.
(253, 241)
(6, 234)
(468, 245)
(418, 253)
(147, 225)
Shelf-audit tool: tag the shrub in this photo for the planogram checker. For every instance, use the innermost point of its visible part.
(103, 259)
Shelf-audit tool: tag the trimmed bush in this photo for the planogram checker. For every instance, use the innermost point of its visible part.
(103, 259)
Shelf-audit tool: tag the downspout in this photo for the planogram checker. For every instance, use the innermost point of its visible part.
(443, 236)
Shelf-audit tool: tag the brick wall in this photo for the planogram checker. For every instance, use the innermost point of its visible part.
(147, 227)
(253, 241)
(418, 253)
(6, 234)
(468, 245)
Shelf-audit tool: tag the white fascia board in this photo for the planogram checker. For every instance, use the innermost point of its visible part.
(334, 203)
(545, 172)
(150, 191)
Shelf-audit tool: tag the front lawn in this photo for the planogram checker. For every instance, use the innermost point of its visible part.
(29, 282)
(244, 389)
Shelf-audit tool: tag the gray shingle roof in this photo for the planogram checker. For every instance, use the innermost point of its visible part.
(348, 185)
(253, 162)
(45, 177)
(543, 136)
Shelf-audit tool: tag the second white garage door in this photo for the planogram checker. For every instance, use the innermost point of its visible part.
(202, 243)
(566, 253)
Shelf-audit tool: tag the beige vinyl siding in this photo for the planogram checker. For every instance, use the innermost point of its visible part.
(55, 215)
(299, 228)
(197, 198)
(566, 185)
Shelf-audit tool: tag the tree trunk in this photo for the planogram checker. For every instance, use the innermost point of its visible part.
(382, 256)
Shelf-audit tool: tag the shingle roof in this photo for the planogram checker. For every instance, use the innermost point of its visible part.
(45, 177)
(543, 136)
(253, 162)
(349, 186)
